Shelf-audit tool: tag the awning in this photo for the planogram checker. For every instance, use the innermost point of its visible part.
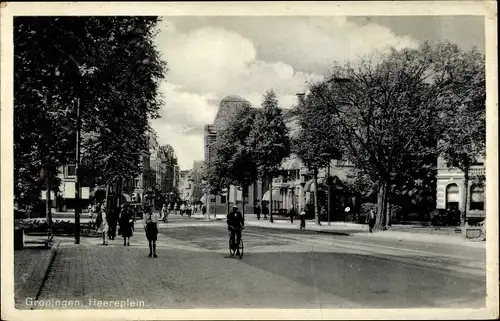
(311, 187)
(276, 196)
(97, 189)
(309, 184)
(291, 163)
(127, 197)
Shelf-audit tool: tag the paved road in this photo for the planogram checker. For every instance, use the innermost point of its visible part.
(280, 269)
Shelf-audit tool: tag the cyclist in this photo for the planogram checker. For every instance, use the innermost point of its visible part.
(235, 223)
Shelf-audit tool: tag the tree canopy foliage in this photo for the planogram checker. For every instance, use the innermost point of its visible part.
(389, 112)
(111, 67)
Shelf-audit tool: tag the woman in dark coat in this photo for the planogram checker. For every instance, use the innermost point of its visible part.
(126, 223)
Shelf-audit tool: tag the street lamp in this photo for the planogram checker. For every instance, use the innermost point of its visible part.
(78, 207)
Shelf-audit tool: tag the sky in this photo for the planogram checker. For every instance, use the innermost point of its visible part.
(210, 58)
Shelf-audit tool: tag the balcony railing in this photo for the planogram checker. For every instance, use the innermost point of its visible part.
(477, 171)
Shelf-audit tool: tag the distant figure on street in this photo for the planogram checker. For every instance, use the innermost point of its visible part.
(112, 222)
(126, 223)
(293, 213)
(203, 209)
(164, 213)
(302, 216)
(102, 223)
(183, 209)
(235, 222)
(257, 211)
(322, 214)
(265, 211)
(371, 219)
(151, 227)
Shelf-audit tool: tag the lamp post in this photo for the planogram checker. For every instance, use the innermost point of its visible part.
(329, 183)
(78, 207)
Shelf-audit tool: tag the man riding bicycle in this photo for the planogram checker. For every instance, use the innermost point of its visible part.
(235, 223)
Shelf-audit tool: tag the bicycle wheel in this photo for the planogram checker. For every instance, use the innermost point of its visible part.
(241, 248)
(232, 249)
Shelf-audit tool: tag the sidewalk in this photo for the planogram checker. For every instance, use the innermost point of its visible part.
(30, 269)
(361, 230)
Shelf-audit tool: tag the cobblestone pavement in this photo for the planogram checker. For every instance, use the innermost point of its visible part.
(278, 270)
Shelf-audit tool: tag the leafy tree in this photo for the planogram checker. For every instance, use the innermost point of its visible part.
(315, 145)
(385, 110)
(110, 66)
(463, 101)
(233, 162)
(269, 141)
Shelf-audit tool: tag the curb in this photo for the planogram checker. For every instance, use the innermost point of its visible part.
(53, 252)
(306, 230)
(33, 286)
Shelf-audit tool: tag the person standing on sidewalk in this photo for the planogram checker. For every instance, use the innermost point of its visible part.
(112, 222)
(302, 216)
(102, 223)
(164, 213)
(151, 227)
(371, 220)
(292, 214)
(257, 211)
(126, 223)
(265, 211)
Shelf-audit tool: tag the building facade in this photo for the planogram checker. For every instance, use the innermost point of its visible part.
(451, 191)
(217, 204)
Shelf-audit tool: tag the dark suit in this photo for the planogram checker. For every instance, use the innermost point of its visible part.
(236, 221)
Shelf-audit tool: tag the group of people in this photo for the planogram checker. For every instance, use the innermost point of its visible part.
(292, 213)
(106, 224)
(181, 208)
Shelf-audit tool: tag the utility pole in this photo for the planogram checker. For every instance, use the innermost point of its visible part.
(78, 207)
(329, 182)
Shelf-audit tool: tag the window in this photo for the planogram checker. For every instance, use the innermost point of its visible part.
(452, 196)
(477, 197)
(71, 170)
(223, 199)
(136, 182)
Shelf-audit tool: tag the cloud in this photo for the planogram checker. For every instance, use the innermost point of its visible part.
(246, 58)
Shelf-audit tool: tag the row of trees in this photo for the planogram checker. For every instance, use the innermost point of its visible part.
(251, 145)
(390, 114)
(107, 69)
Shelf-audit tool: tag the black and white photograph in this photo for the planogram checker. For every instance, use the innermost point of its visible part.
(245, 161)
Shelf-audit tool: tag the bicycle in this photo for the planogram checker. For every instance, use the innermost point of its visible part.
(233, 248)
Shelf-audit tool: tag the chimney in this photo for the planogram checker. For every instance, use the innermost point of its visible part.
(300, 97)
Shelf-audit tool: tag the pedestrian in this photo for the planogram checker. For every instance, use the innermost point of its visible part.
(183, 209)
(151, 228)
(371, 220)
(126, 224)
(322, 214)
(164, 213)
(293, 213)
(102, 224)
(203, 209)
(257, 211)
(302, 216)
(265, 211)
(112, 222)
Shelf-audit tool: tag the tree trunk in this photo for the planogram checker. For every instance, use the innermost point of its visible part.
(381, 207)
(227, 199)
(271, 199)
(316, 208)
(387, 209)
(48, 213)
(107, 198)
(463, 216)
(243, 200)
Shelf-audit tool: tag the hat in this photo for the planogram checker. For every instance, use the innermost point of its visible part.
(235, 206)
